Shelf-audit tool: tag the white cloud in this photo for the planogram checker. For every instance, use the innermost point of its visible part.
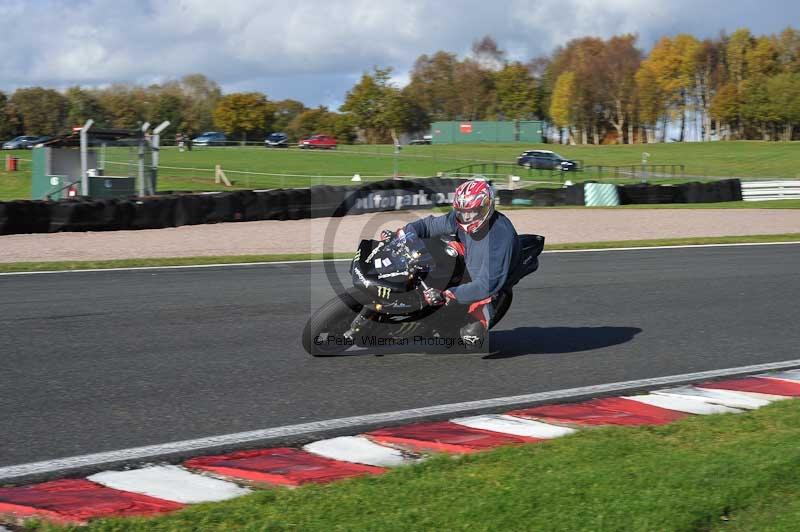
(315, 49)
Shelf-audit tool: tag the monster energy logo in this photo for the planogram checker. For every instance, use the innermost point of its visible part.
(384, 292)
(357, 256)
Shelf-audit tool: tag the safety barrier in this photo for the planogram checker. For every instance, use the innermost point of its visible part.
(600, 195)
(173, 210)
(770, 190)
(542, 197)
(717, 191)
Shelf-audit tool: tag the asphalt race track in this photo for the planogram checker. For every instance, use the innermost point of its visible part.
(101, 361)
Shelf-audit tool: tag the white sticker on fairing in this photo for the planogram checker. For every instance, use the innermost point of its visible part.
(393, 274)
(387, 262)
(377, 263)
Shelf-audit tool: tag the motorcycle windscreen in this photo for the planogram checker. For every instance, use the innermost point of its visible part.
(402, 258)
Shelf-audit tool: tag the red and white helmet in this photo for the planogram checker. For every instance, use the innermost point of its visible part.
(473, 204)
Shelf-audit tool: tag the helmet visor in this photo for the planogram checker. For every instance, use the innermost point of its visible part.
(467, 216)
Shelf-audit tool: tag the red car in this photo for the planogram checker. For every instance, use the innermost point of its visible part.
(318, 142)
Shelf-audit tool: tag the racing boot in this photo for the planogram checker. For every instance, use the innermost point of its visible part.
(473, 335)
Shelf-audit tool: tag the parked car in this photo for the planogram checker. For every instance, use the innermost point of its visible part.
(426, 139)
(318, 142)
(210, 138)
(24, 142)
(546, 160)
(40, 140)
(276, 140)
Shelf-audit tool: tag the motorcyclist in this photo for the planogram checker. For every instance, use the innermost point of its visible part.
(490, 247)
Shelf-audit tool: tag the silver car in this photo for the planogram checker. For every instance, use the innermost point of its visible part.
(21, 143)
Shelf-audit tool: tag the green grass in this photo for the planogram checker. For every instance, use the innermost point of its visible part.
(195, 170)
(772, 204)
(10, 267)
(720, 472)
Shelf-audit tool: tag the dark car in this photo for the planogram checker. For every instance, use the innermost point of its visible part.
(210, 138)
(546, 160)
(426, 139)
(24, 142)
(276, 140)
(318, 142)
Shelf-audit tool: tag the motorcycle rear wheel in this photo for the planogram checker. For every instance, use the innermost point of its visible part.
(323, 334)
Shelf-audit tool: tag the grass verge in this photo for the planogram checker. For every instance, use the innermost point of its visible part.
(166, 261)
(261, 168)
(11, 267)
(728, 471)
(699, 241)
(772, 204)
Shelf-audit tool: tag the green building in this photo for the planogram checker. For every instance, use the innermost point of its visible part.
(477, 131)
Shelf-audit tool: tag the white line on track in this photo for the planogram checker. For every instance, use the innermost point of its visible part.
(355, 423)
(312, 261)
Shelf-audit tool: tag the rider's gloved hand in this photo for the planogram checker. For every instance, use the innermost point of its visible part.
(387, 234)
(435, 297)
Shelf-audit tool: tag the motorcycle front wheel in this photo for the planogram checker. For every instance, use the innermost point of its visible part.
(324, 333)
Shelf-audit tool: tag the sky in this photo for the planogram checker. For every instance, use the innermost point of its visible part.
(315, 50)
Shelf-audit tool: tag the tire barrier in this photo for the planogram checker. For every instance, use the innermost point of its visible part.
(717, 191)
(575, 195)
(24, 216)
(193, 209)
(645, 194)
(173, 210)
(542, 197)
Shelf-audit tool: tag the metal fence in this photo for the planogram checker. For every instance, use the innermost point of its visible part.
(641, 172)
(770, 190)
(506, 169)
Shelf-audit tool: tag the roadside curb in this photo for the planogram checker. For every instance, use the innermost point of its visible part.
(158, 489)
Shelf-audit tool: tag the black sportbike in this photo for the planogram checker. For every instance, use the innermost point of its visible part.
(386, 306)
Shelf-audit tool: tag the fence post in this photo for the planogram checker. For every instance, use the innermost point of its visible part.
(219, 176)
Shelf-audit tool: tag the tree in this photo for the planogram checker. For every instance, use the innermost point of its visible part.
(81, 106)
(488, 54)
(783, 93)
(285, 112)
(431, 86)
(739, 43)
(562, 104)
(40, 111)
(313, 121)
(376, 106)
(762, 58)
(201, 97)
(123, 106)
(726, 105)
(756, 108)
(474, 90)
(788, 46)
(673, 64)
(581, 57)
(515, 92)
(243, 113)
(343, 127)
(708, 76)
(619, 62)
(169, 106)
(651, 101)
(8, 125)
